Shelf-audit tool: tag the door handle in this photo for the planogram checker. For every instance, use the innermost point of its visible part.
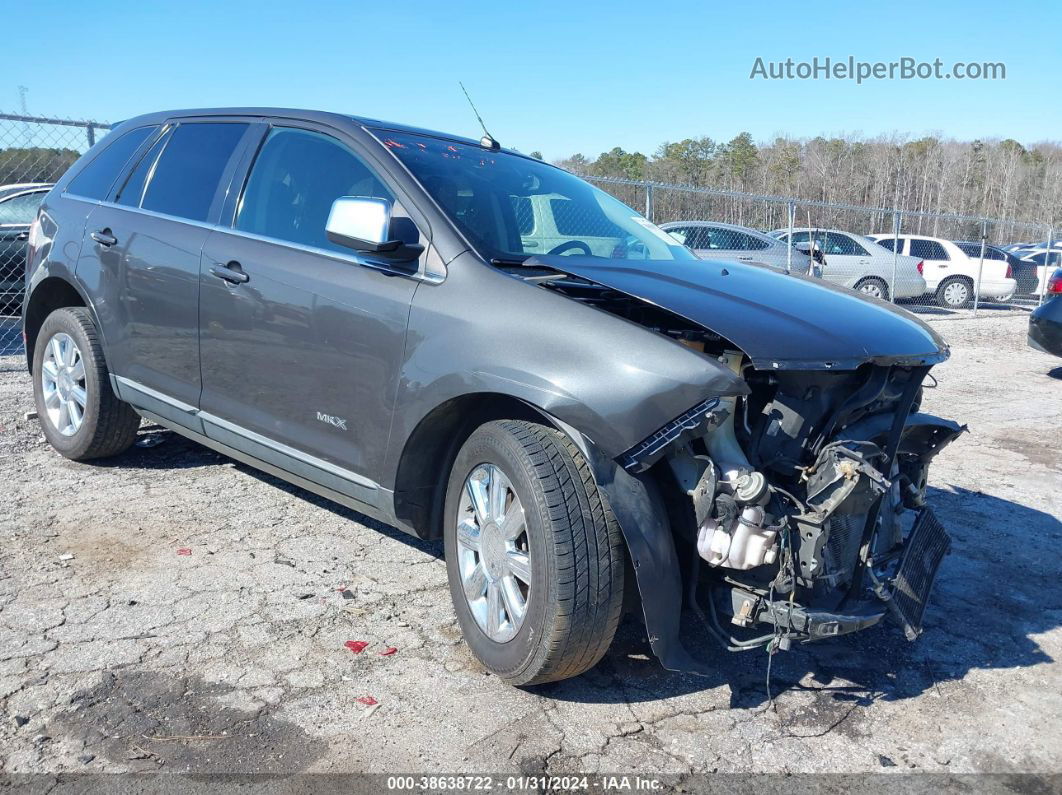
(230, 272)
(23, 235)
(104, 237)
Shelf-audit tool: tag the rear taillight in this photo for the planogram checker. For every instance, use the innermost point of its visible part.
(921, 268)
(33, 243)
(1010, 271)
(1054, 284)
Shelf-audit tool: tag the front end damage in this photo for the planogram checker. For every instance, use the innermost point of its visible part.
(794, 507)
(800, 507)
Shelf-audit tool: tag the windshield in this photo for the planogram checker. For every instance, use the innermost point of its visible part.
(511, 207)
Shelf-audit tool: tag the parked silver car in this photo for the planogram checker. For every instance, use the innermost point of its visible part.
(714, 240)
(860, 263)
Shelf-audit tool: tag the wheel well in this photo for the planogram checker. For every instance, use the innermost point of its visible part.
(429, 453)
(51, 294)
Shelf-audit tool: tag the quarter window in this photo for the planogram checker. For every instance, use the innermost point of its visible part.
(928, 249)
(187, 174)
(94, 180)
(296, 177)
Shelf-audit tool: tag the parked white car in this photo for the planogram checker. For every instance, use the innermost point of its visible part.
(860, 263)
(951, 274)
(716, 240)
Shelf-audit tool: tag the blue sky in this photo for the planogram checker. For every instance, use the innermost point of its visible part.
(558, 77)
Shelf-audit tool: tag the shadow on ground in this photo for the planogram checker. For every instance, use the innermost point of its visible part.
(996, 591)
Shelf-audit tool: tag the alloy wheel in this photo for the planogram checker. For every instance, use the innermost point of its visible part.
(493, 553)
(873, 289)
(63, 384)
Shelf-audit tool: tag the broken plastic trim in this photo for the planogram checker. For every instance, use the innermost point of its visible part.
(648, 451)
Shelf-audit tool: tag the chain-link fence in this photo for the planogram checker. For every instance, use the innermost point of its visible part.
(932, 263)
(34, 153)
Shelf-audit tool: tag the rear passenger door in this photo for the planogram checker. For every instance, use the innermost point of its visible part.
(144, 245)
(302, 339)
(936, 262)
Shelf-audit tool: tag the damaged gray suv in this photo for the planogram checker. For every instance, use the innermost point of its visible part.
(473, 345)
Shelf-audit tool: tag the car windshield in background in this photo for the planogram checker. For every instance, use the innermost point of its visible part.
(512, 207)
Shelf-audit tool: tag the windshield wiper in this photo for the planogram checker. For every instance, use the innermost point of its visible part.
(502, 261)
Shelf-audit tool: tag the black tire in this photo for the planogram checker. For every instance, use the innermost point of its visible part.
(108, 426)
(955, 280)
(875, 281)
(574, 544)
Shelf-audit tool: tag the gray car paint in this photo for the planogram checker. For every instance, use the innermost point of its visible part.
(468, 330)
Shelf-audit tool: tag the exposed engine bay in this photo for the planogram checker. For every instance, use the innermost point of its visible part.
(798, 507)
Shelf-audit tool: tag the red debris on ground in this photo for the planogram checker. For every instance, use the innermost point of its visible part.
(368, 701)
(184, 551)
(357, 646)
(388, 651)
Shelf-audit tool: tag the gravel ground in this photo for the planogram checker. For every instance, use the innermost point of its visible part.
(170, 609)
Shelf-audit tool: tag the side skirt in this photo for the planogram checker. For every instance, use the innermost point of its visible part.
(319, 477)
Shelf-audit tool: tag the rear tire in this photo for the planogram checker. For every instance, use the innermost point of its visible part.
(955, 292)
(570, 548)
(874, 287)
(78, 411)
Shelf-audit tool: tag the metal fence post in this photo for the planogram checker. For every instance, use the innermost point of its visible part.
(649, 201)
(980, 266)
(791, 215)
(1042, 285)
(896, 220)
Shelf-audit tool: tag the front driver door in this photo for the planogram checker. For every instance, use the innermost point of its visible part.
(301, 339)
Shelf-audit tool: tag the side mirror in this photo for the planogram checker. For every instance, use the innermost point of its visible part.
(363, 223)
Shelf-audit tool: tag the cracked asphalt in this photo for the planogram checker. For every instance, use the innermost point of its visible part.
(173, 610)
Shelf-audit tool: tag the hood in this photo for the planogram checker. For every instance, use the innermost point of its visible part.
(780, 321)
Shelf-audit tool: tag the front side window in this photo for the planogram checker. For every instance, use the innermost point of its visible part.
(842, 246)
(887, 242)
(928, 249)
(21, 209)
(295, 178)
(480, 191)
(95, 180)
(186, 176)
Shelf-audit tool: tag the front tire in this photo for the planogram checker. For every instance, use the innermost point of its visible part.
(533, 553)
(78, 411)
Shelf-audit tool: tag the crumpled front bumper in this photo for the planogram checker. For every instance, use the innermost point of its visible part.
(905, 595)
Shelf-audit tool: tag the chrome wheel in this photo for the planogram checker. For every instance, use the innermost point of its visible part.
(63, 384)
(493, 554)
(956, 293)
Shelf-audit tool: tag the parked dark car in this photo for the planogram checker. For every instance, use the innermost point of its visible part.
(18, 207)
(1045, 323)
(474, 345)
(1024, 273)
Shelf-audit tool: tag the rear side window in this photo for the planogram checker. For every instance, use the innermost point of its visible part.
(296, 177)
(186, 176)
(132, 192)
(927, 249)
(95, 180)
